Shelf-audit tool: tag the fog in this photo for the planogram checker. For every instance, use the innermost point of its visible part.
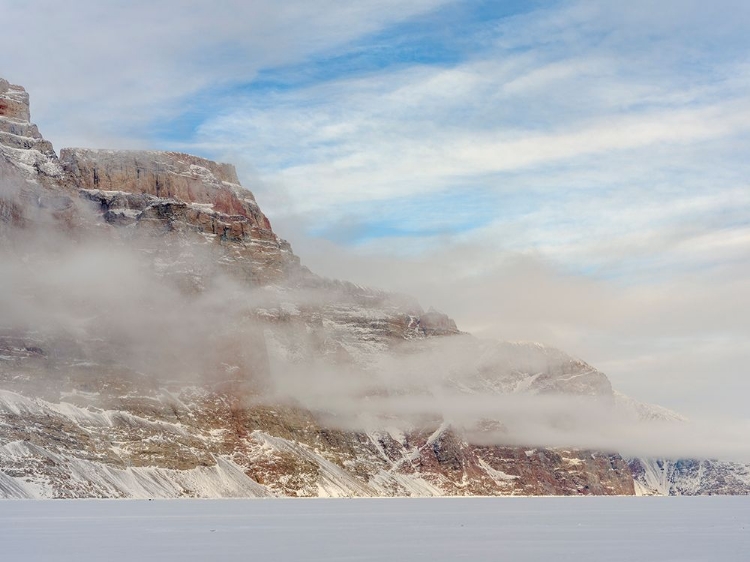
(676, 336)
(444, 384)
(86, 293)
(92, 294)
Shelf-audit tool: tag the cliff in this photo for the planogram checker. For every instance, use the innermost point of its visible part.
(179, 196)
(158, 339)
(20, 139)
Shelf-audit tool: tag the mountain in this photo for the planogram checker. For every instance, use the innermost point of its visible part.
(158, 339)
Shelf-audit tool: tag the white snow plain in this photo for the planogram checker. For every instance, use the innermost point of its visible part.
(579, 529)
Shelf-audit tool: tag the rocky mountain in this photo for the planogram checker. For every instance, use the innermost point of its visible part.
(158, 339)
(689, 477)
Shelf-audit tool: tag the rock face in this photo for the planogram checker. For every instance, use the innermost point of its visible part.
(185, 197)
(165, 175)
(30, 174)
(19, 134)
(212, 364)
(196, 443)
(690, 477)
(14, 102)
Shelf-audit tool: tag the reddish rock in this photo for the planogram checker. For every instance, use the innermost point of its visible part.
(14, 102)
(186, 197)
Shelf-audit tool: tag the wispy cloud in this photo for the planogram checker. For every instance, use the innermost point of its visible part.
(106, 73)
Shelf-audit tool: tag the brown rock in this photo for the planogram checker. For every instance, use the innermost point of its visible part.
(14, 102)
(168, 175)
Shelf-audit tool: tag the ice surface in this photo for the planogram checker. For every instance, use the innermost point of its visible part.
(516, 529)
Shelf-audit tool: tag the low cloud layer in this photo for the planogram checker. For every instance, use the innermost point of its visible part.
(94, 297)
(438, 386)
(677, 340)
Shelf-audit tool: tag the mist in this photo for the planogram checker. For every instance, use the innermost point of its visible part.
(82, 293)
(443, 384)
(91, 294)
(676, 337)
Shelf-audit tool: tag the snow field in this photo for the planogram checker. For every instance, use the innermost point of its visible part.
(579, 529)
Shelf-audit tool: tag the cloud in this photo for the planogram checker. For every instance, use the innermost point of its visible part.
(382, 137)
(102, 74)
(676, 339)
(424, 386)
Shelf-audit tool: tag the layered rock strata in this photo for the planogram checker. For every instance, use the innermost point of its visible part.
(20, 139)
(173, 193)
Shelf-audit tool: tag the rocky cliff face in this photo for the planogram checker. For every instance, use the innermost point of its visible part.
(14, 102)
(186, 197)
(211, 363)
(690, 477)
(22, 143)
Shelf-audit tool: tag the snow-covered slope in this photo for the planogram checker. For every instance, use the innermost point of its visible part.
(690, 477)
(201, 444)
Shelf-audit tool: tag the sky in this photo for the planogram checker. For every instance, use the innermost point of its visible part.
(571, 172)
